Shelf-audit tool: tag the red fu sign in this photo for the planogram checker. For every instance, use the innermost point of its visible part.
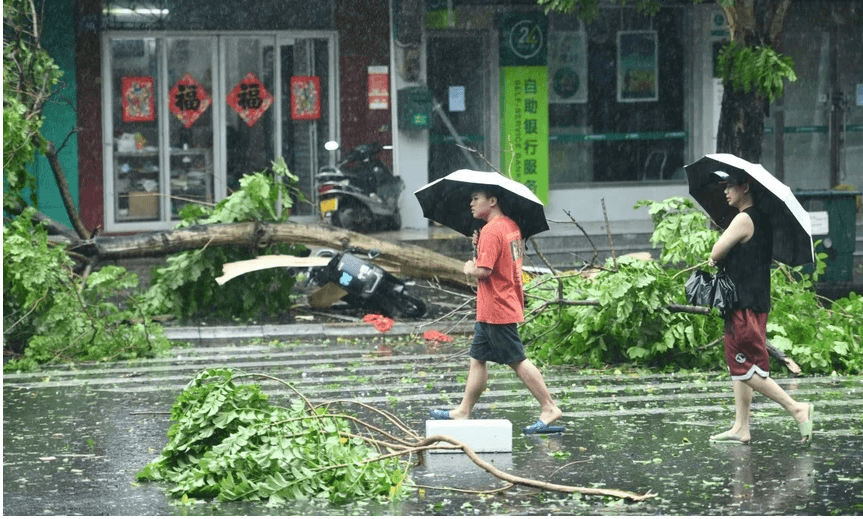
(250, 99)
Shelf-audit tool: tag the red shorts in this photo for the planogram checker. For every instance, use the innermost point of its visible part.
(746, 344)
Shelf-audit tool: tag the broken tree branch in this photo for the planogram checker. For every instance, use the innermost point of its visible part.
(65, 192)
(491, 469)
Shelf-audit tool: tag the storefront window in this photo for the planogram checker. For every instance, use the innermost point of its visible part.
(190, 130)
(249, 115)
(616, 97)
(191, 115)
(137, 179)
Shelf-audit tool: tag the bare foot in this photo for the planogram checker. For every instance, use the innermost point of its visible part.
(732, 435)
(456, 415)
(551, 415)
(801, 413)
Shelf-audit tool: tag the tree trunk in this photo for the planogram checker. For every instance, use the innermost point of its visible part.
(404, 260)
(741, 124)
(741, 118)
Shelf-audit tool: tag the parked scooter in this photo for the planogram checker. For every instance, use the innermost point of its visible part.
(360, 193)
(368, 286)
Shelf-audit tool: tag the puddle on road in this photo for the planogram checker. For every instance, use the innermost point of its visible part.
(76, 450)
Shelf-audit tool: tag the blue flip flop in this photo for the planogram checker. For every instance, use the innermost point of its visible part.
(437, 414)
(541, 427)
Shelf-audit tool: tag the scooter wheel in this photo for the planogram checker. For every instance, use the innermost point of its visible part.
(355, 217)
(409, 306)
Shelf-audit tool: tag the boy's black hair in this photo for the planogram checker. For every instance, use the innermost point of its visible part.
(499, 193)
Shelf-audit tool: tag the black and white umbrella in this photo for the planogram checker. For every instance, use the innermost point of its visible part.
(792, 230)
(447, 201)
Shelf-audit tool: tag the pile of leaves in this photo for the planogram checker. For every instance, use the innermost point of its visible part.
(228, 441)
(51, 315)
(186, 286)
(625, 312)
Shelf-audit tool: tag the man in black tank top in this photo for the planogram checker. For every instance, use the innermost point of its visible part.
(746, 247)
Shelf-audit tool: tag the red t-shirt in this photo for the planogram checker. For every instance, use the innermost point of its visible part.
(500, 297)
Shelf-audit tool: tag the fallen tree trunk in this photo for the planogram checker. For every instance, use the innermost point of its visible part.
(404, 260)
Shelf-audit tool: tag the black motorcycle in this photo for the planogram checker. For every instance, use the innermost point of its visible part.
(368, 286)
(360, 193)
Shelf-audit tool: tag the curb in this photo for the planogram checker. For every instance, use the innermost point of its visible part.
(304, 331)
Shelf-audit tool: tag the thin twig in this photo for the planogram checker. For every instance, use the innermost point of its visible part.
(608, 232)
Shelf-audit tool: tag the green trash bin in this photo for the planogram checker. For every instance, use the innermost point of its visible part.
(834, 221)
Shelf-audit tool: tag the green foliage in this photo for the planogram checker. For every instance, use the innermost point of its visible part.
(588, 10)
(630, 323)
(48, 319)
(228, 441)
(820, 338)
(627, 319)
(755, 67)
(186, 286)
(680, 229)
(29, 76)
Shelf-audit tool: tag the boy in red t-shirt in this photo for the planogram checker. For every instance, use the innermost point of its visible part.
(499, 307)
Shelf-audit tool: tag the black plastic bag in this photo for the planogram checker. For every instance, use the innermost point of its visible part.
(699, 288)
(724, 293)
(704, 289)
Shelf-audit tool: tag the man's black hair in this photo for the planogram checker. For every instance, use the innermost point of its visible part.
(499, 193)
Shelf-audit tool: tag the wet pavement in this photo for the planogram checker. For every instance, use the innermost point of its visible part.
(73, 439)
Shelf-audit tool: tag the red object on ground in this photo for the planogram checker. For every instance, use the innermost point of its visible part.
(380, 322)
(436, 336)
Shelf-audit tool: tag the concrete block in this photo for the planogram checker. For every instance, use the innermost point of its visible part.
(479, 435)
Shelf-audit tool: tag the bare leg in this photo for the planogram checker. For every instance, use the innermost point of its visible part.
(477, 379)
(532, 379)
(742, 404)
(769, 388)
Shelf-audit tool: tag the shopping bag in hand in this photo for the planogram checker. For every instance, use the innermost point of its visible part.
(704, 289)
(724, 293)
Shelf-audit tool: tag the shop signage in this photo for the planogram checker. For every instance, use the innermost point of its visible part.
(305, 97)
(523, 40)
(637, 77)
(524, 100)
(524, 132)
(250, 99)
(188, 100)
(138, 105)
(379, 88)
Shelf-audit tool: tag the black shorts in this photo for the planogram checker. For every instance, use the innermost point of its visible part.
(498, 343)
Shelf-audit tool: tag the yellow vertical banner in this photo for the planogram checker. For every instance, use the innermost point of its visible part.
(524, 127)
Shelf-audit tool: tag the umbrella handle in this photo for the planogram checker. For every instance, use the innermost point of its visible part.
(474, 241)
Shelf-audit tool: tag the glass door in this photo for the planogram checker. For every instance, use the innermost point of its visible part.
(190, 171)
(457, 76)
(306, 122)
(248, 83)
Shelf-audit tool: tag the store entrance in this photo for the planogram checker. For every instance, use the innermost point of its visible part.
(193, 114)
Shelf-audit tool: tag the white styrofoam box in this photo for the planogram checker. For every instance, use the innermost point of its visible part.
(461, 472)
(479, 435)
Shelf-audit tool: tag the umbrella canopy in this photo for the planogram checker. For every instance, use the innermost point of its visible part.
(447, 201)
(792, 230)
